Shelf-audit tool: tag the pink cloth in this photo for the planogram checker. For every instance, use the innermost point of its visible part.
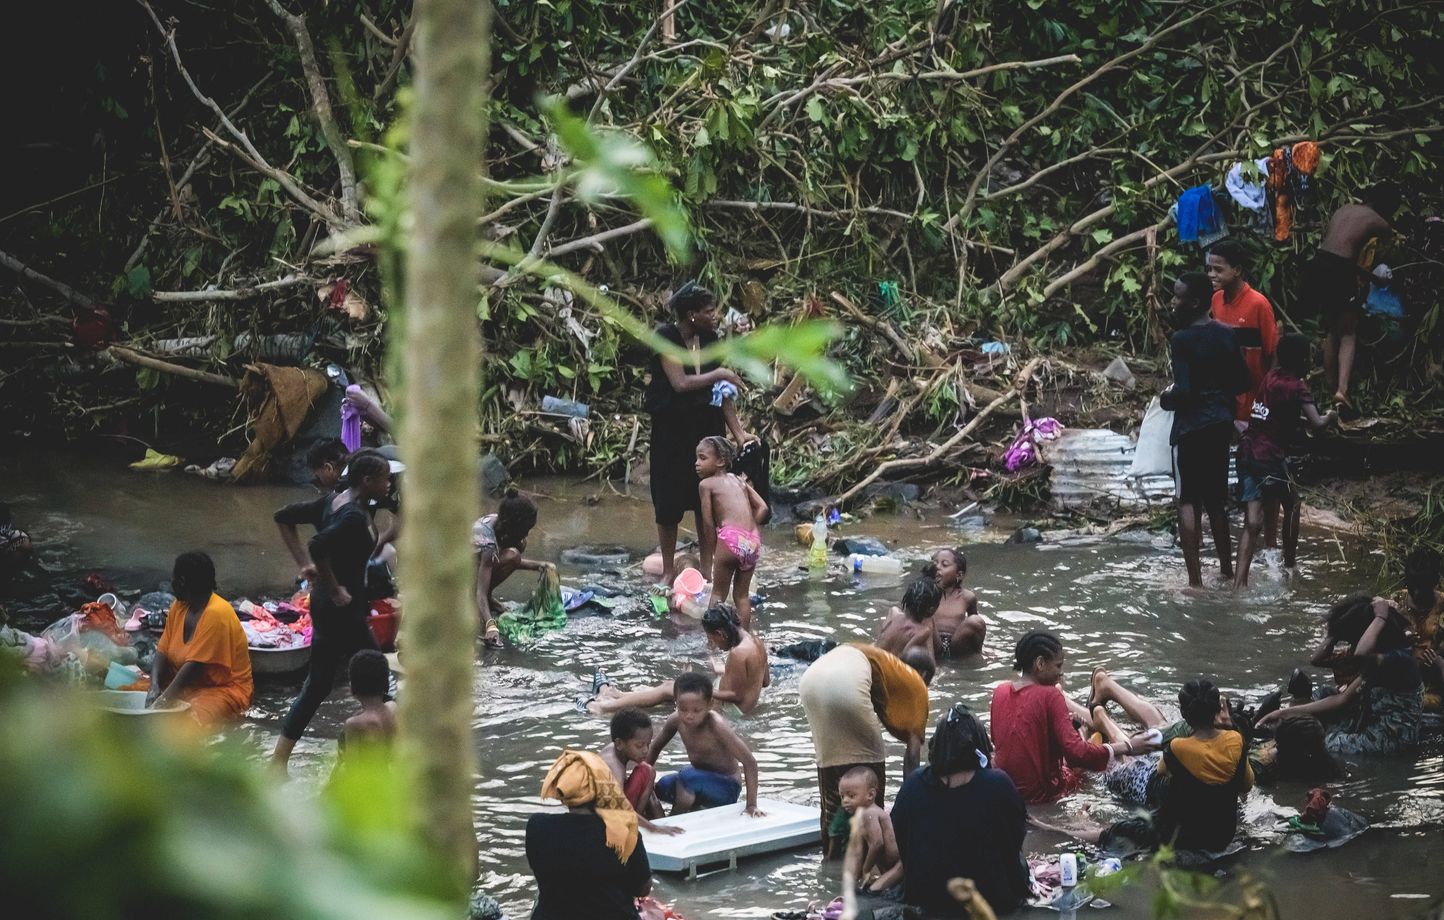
(746, 545)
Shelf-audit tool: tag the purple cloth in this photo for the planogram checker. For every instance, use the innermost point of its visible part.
(350, 421)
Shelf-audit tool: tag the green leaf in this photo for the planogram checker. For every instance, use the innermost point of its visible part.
(701, 138)
(815, 110)
(1102, 235)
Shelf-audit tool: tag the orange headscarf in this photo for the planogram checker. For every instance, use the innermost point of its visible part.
(582, 778)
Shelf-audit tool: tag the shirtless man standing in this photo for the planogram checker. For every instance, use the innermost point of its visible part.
(1333, 279)
(911, 624)
(716, 752)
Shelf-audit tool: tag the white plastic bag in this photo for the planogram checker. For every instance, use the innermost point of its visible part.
(1153, 454)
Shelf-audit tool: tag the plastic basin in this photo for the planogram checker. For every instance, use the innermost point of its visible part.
(132, 703)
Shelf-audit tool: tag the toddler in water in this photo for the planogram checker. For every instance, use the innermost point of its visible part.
(376, 722)
(731, 509)
(877, 849)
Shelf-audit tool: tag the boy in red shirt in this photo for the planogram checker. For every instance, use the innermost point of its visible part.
(1248, 313)
(1263, 473)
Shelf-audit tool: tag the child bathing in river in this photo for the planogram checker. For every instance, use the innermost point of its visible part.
(875, 853)
(631, 740)
(731, 509)
(717, 753)
(376, 722)
(958, 628)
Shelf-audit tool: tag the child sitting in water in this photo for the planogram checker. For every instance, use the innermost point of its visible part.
(1263, 473)
(958, 628)
(631, 740)
(498, 541)
(876, 852)
(731, 509)
(376, 722)
(911, 624)
(713, 747)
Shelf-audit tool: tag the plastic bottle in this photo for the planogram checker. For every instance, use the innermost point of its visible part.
(875, 565)
(817, 553)
(1068, 870)
(565, 407)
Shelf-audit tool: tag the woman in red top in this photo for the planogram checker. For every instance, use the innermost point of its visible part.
(1036, 743)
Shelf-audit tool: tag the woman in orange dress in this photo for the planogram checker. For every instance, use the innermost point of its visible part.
(202, 657)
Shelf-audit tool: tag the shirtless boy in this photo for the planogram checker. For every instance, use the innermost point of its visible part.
(376, 722)
(731, 510)
(958, 627)
(876, 849)
(1333, 280)
(745, 673)
(911, 624)
(631, 740)
(715, 750)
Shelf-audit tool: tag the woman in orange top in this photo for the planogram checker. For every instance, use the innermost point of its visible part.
(202, 656)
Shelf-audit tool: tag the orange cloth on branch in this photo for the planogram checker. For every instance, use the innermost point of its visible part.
(223, 691)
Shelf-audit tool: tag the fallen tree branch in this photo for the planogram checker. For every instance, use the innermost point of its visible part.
(947, 447)
(596, 240)
(321, 106)
(1083, 268)
(200, 159)
(244, 293)
(733, 204)
(59, 287)
(398, 57)
(122, 353)
(284, 179)
(890, 333)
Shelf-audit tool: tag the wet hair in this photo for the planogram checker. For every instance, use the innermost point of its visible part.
(959, 557)
(721, 447)
(1383, 197)
(1197, 296)
(959, 742)
(1199, 702)
(722, 618)
(330, 451)
(1292, 354)
(1037, 644)
(193, 577)
(1349, 618)
(920, 659)
(627, 722)
(1232, 252)
(921, 598)
(370, 673)
(1303, 755)
(515, 517)
(692, 682)
(862, 774)
(364, 464)
(689, 297)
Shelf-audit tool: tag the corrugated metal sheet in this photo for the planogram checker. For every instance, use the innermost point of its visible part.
(1090, 467)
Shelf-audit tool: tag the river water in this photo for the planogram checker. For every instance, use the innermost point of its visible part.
(1115, 602)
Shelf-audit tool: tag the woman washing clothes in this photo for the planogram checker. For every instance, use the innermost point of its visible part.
(958, 628)
(339, 554)
(959, 818)
(685, 408)
(1378, 711)
(1037, 744)
(202, 657)
(498, 541)
(589, 861)
(1422, 604)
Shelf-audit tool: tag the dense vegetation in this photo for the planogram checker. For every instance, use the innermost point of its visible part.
(982, 169)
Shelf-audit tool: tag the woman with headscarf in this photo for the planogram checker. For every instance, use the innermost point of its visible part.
(588, 861)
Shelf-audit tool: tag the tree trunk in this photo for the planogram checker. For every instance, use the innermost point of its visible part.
(441, 353)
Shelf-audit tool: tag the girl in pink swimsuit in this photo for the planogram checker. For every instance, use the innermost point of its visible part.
(731, 509)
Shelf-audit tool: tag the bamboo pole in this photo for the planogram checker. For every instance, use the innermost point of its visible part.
(441, 355)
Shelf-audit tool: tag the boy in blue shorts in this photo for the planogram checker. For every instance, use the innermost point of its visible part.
(717, 753)
(1283, 400)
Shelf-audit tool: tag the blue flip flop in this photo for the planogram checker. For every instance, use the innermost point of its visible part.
(599, 680)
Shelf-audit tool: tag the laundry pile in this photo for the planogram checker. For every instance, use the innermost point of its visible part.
(277, 624)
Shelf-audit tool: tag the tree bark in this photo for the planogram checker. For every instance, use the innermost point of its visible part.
(441, 353)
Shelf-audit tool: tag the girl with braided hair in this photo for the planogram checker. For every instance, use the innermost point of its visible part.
(731, 511)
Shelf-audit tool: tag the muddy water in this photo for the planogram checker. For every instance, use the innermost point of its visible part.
(1116, 602)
